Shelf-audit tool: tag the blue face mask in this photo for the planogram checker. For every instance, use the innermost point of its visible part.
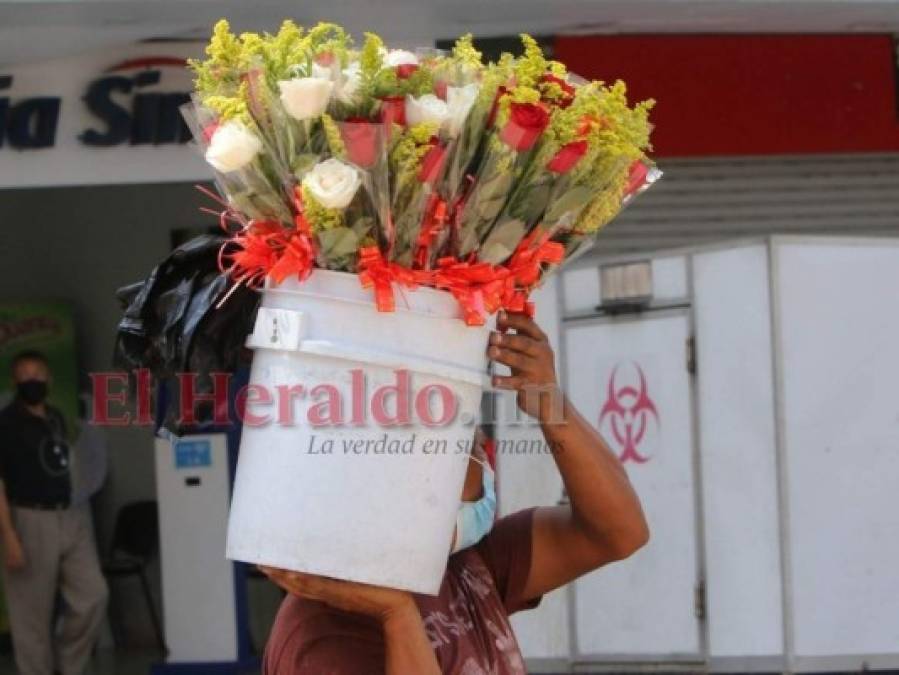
(475, 519)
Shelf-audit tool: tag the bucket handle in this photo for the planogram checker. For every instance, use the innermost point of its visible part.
(284, 330)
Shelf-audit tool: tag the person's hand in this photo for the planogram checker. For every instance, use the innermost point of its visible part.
(374, 601)
(528, 353)
(15, 555)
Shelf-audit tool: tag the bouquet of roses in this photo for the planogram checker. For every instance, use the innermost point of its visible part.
(583, 158)
(261, 104)
(411, 167)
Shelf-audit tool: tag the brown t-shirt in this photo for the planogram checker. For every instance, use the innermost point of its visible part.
(467, 623)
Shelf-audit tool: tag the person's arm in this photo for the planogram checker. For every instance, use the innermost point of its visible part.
(407, 649)
(604, 521)
(12, 546)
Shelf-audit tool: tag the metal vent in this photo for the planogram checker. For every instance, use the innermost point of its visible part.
(701, 201)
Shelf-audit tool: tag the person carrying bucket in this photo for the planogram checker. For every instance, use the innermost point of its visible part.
(327, 626)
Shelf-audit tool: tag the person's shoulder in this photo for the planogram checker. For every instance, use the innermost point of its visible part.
(511, 527)
(506, 552)
(309, 636)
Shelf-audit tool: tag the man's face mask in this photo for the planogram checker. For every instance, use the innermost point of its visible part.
(475, 519)
(32, 392)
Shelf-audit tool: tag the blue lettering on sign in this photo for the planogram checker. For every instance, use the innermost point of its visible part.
(126, 115)
(190, 454)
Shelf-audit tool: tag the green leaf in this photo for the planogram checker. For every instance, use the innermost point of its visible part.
(571, 201)
(337, 243)
(531, 204)
(363, 226)
(491, 196)
(502, 240)
(303, 164)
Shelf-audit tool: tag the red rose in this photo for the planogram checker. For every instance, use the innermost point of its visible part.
(432, 162)
(440, 89)
(637, 177)
(361, 139)
(526, 122)
(393, 111)
(567, 89)
(567, 156)
(404, 70)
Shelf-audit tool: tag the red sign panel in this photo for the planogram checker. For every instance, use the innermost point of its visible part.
(752, 94)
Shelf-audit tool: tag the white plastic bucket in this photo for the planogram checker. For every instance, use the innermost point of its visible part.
(361, 512)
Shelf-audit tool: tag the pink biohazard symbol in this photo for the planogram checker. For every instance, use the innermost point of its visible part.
(628, 410)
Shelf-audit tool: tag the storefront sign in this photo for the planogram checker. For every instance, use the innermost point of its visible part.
(87, 121)
(150, 117)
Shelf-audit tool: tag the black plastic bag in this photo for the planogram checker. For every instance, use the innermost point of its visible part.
(172, 325)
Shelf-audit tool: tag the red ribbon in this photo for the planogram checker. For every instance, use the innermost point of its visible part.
(376, 272)
(257, 252)
(434, 221)
(526, 267)
(479, 287)
(297, 259)
(269, 249)
(531, 253)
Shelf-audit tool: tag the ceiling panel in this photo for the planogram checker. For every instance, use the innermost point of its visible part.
(36, 29)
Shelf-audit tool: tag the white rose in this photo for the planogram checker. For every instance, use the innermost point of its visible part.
(232, 147)
(333, 183)
(427, 108)
(350, 80)
(458, 102)
(305, 98)
(400, 57)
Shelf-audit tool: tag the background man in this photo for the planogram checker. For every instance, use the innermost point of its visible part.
(48, 543)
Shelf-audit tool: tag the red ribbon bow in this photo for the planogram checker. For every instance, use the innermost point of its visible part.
(477, 286)
(378, 273)
(297, 259)
(526, 266)
(256, 253)
(268, 249)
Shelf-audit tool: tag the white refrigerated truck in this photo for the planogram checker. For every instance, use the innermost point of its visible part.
(751, 390)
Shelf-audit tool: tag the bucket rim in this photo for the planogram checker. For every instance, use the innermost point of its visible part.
(432, 302)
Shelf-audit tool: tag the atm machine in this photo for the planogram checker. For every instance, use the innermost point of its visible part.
(204, 595)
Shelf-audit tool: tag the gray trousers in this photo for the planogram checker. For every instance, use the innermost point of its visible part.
(60, 556)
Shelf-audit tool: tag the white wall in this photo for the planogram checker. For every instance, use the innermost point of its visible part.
(838, 327)
(735, 392)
